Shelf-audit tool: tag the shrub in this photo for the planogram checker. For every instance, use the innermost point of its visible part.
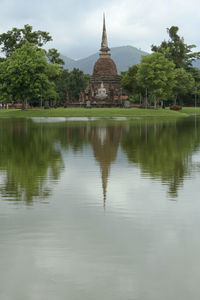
(176, 107)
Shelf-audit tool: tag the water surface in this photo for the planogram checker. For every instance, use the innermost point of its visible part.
(99, 209)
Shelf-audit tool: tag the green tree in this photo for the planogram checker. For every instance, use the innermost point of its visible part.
(176, 50)
(156, 74)
(54, 57)
(62, 85)
(24, 75)
(129, 80)
(78, 81)
(74, 81)
(15, 38)
(130, 83)
(196, 76)
(184, 83)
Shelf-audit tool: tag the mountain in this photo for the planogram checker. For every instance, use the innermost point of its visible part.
(124, 57)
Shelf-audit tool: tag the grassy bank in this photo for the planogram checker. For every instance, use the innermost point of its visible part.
(98, 112)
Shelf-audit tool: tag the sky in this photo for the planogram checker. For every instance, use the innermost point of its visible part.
(76, 25)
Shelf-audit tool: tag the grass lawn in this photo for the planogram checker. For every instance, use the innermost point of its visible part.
(98, 112)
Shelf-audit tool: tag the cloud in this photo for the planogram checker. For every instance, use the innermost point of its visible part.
(76, 25)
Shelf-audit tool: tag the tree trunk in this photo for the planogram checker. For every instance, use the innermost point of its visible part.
(155, 102)
(175, 99)
(146, 99)
(24, 104)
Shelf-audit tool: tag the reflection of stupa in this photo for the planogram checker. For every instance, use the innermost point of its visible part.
(105, 74)
(105, 142)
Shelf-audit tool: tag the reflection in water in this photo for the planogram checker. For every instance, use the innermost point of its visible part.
(30, 153)
(28, 157)
(163, 151)
(105, 142)
(71, 249)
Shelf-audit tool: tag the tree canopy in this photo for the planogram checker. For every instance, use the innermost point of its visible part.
(176, 50)
(24, 75)
(17, 37)
(156, 73)
(167, 73)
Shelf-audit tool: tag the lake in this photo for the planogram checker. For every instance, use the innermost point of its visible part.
(99, 209)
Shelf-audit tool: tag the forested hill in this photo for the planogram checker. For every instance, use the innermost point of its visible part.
(124, 57)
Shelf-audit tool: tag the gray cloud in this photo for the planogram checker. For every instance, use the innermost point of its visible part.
(76, 25)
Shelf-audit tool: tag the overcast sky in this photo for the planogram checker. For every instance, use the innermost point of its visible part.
(76, 25)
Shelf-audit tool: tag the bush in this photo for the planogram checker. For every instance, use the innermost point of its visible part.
(176, 107)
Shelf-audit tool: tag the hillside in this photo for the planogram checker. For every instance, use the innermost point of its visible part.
(124, 57)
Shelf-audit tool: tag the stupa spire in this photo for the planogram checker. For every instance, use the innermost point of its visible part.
(104, 43)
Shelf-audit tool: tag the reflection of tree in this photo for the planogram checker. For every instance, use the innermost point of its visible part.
(30, 157)
(74, 136)
(27, 159)
(162, 150)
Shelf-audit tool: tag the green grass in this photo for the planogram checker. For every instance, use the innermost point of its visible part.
(98, 112)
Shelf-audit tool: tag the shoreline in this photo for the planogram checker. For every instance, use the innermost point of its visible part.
(99, 112)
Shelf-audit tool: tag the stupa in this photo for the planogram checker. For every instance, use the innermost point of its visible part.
(104, 87)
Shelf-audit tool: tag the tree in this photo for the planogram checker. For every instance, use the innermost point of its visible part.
(196, 76)
(130, 83)
(74, 81)
(156, 74)
(78, 81)
(54, 57)
(184, 83)
(24, 75)
(62, 85)
(15, 38)
(176, 50)
(129, 80)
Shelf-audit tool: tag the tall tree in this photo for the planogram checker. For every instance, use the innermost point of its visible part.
(156, 74)
(78, 81)
(184, 83)
(129, 80)
(24, 75)
(130, 83)
(15, 38)
(176, 50)
(54, 57)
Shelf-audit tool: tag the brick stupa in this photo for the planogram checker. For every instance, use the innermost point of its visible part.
(104, 86)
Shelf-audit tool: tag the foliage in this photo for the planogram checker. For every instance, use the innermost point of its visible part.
(74, 81)
(156, 74)
(130, 83)
(184, 82)
(129, 80)
(176, 50)
(24, 74)
(196, 76)
(78, 81)
(54, 57)
(16, 38)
